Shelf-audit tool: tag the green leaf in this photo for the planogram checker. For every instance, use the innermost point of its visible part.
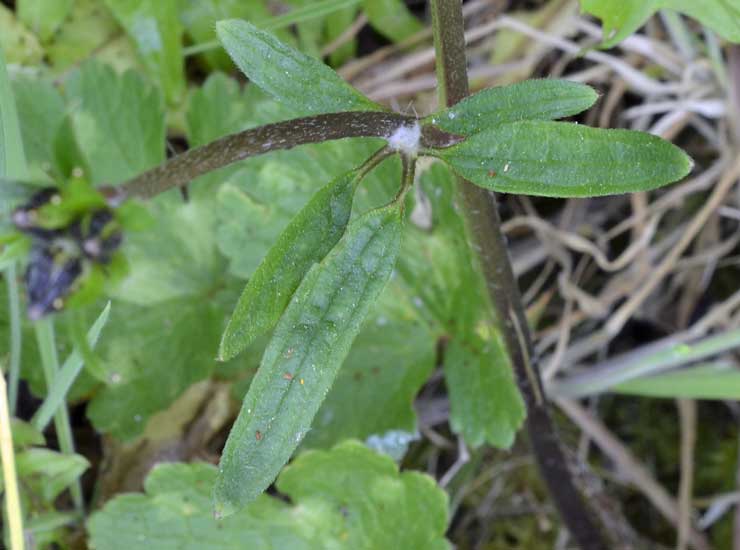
(381, 506)
(66, 375)
(392, 19)
(308, 346)
(307, 239)
(373, 395)
(155, 28)
(42, 113)
(293, 78)
(218, 108)
(118, 122)
(47, 473)
(12, 155)
(151, 355)
(176, 257)
(89, 29)
(708, 381)
(543, 99)
(19, 44)
(384, 509)
(485, 405)
(199, 18)
(557, 159)
(43, 17)
(623, 17)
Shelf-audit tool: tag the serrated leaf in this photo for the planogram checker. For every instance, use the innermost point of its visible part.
(373, 395)
(43, 17)
(485, 405)
(118, 122)
(307, 239)
(293, 78)
(42, 113)
(175, 512)
(623, 17)
(537, 99)
(392, 19)
(89, 28)
(218, 108)
(19, 44)
(300, 364)
(199, 18)
(557, 159)
(47, 473)
(155, 28)
(385, 509)
(187, 265)
(151, 355)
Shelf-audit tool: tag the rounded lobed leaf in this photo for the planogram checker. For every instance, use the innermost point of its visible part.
(557, 159)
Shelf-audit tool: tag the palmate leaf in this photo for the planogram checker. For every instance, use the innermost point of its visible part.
(537, 99)
(623, 17)
(348, 497)
(293, 78)
(557, 159)
(154, 26)
(307, 348)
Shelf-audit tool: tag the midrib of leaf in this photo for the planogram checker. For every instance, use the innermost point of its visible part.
(326, 311)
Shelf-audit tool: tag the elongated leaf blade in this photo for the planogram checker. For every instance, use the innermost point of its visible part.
(293, 78)
(308, 346)
(704, 381)
(307, 239)
(621, 18)
(557, 159)
(529, 100)
(392, 19)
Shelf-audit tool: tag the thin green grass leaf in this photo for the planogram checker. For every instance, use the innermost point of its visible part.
(719, 380)
(66, 376)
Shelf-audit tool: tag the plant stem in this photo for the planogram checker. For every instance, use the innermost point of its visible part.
(272, 137)
(487, 241)
(14, 312)
(7, 456)
(50, 363)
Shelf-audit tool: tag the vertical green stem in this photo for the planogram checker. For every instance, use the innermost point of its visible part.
(14, 311)
(487, 241)
(50, 363)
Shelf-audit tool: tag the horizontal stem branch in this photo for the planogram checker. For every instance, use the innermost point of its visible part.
(287, 134)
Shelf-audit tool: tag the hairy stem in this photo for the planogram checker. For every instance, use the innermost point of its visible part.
(487, 240)
(272, 137)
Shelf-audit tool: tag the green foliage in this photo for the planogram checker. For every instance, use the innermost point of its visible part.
(555, 159)
(307, 239)
(528, 100)
(293, 78)
(623, 17)
(118, 122)
(711, 381)
(348, 497)
(19, 44)
(43, 18)
(156, 30)
(391, 18)
(307, 348)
